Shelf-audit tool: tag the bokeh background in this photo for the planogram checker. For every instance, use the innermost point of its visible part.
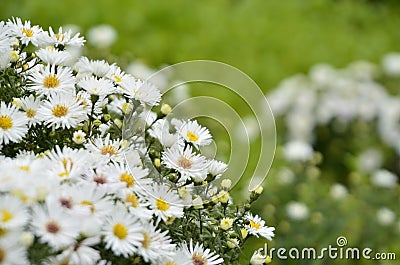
(334, 174)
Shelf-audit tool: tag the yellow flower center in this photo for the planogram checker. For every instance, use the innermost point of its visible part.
(128, 179)
(185, 163)
(108, 149)
(60, 37)
(255, 225)
(117, 79)
(27, 32)
(60, 111)
(30, 113)
(132, 199)
(162, 205)
(120, 231)
(5, 122)
(51, 81)
(170, 263)
(88, 203)
(2, 232)
(198, 259)
(192, 136)
(2, 255)
(6, 215)
(24, 168)
(146, 240)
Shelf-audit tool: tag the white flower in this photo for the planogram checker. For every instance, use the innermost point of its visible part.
(116, 75)
(65, 38)
(96, 67)
(107, 149)
(81, 253)
(285, 176)
(79, 137)
(258, 228)
(194, 133)
(133, 178)
(217, 168)
(161, 131)
(200, 255)
(338, 191)
(122, 232)
(155, 245)
(13, 213)
(51, 80)
(62, 112)
(385, 216)
(298, 151)
(53, 226)
(95, 86)
(391, 64)
(102, 36)
(13, 124)
(297, 211)
(141, 90)
(12, 253)
(165, 203)
(52, 56)
(257, 258)
(30, 106)
(369, 160)
(25, 32)
(384, 178)
(188, 164)
(138, 206)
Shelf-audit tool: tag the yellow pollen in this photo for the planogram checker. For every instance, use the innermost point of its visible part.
(162, 205)
(185, 163)
(132, 199)
(51, 81)
(128, 179)
(88, 203)
(24, 168)
(117, 79)
(27, 32)
(146, 240)
(192, 136)
(108, 149)
(5, 122)
(198, 259)
(6, 216)
(60, 111)
(255, 225)
(170, 263)
(30, 113)
(60, 37)
(120, 231)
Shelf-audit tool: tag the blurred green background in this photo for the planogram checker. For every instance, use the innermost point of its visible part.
(268, 40)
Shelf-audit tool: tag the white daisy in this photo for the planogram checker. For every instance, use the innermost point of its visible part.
(134, 178)
(95, 86)
(165, 203)
(201, 256)
(99, 175)
(12, 253)
(141, 90)
(53, 226)
(122, 232)
(102, 36)
(65, 38)
(87, 67)
(181, 257)
(187, 163)
(258, 228)
(155, 245)
(5, 40)
(161, 131)
(51, 80)
(62, 112)
(13, 124)
(137, 205)
(107, 149)
(194, 133)
(217, 168)
(30, 106)
(24, 31)
(81, 253)
(117, 75)
(52, 56)
(13, 213)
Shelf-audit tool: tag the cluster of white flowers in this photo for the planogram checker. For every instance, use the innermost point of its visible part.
(78, 187)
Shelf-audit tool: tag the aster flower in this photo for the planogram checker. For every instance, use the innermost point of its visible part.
(161, 131)
(187, 163)
(258, 228)
(200, 255)
(165, 203)
(94, 86)
(122, 233)
(65, 38)
(133, 178)
(13, 124)
(13, 213)
(51, 80)
(25, 32)
(5, 40)
(193, 133)
(30, 106)
(107, 149)
(12, 253)
(53, 56)
(117, 75)
(140, 90)
(87, 67)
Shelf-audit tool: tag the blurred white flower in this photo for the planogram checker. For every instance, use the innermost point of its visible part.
(338, 191)
(385, 216)
(102, 36)
(297, 211)
(391, 64)
(384, 178)
(285, 176)
(369, 160)
(298, 151)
